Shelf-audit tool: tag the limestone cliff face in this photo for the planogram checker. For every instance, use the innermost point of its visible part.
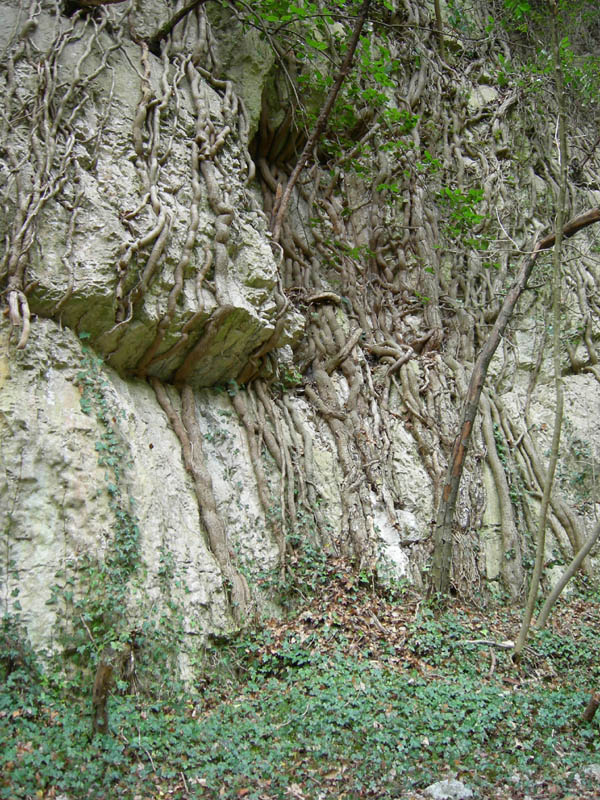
(189, 406)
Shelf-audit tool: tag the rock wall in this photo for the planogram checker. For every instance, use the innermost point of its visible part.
(252, 400)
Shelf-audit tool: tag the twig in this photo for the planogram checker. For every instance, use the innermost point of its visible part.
(93, 641)
(150, 757)
(506, 233)
(506, 645)
(291, 719)
(187, 789)
(493, 662)
(445, 515)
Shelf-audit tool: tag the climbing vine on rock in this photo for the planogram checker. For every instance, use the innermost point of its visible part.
(399, 204)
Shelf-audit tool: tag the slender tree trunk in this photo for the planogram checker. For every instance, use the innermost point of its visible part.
(566, 577)
(556, 344)
(322, 119)
(588, 714)
(442, 557)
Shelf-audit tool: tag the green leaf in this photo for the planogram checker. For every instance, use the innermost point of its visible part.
(316, 43)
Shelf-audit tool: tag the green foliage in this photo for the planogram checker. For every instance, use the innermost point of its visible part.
(318, 36)
(581, 73)
(308, 567)
(462, 218)
(520, 10)
(460, 16)
(434, 637)
(579, 61)
(288, 377)
(305, 710)
(500, 445)
(506, 71)
(18, 666)
(570, 654)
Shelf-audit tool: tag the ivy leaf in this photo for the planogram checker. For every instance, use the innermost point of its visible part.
(318, 45)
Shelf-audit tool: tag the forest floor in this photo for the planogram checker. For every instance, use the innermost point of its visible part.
(359, 693)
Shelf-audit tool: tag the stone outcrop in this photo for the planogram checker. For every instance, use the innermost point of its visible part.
(131, 230)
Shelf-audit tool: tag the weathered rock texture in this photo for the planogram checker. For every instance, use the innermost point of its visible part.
(261, 398)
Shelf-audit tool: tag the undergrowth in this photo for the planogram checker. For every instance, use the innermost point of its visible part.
(357, 695)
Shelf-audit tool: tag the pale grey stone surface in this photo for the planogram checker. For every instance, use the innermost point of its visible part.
(450, 789)
(108, 181)
(54, 507)
(593, 771)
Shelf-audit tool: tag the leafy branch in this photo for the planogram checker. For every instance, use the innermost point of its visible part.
(322, 119)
